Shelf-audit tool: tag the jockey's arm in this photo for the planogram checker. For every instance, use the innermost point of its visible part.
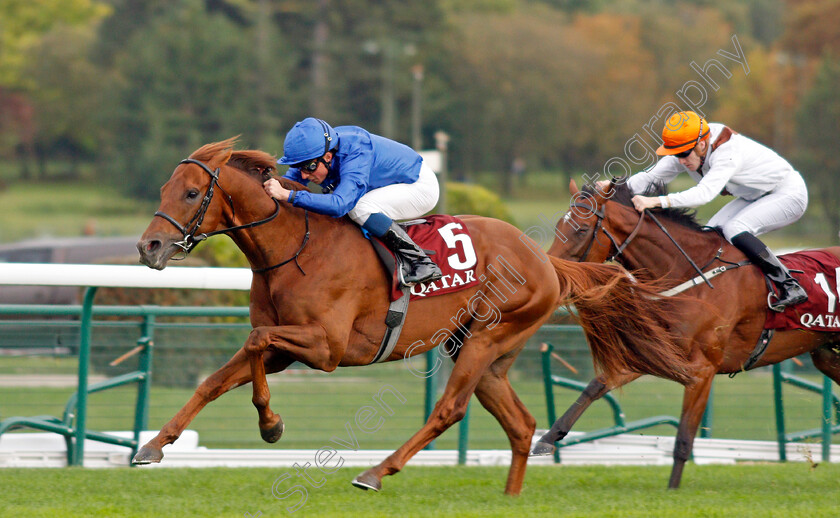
(722, 168)
(338, 203)
(665, 170)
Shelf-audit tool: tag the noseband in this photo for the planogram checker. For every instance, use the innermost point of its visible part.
(189, 230)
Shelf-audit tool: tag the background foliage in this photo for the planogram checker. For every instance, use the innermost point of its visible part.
(116, 91)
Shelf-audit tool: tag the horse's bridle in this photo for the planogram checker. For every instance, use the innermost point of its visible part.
(600, 214)
(189, 230)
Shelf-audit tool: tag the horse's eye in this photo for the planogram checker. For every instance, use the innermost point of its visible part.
(192, 194)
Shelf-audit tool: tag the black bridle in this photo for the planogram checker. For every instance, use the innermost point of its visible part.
(599, 214)
(619, 249)
(189, 230)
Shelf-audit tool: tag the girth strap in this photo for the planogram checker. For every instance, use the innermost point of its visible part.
(758, 351)
(394, 322)
(395, 319)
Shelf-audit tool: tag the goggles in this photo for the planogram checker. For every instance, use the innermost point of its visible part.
(309, 165)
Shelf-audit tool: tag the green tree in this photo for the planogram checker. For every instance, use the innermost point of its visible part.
(559, 91)
(751, 104)
(812, 27)
(818, 124)
(368, 57)
(25, 27)
(67, 96)
(187, 80)
(24, 22)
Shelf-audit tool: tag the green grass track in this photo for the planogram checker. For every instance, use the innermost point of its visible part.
(761, 490)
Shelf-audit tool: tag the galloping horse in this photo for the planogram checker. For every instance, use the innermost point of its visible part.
(333, 314)
(718, 329)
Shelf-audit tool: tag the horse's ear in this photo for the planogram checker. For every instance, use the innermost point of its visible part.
(573, 188)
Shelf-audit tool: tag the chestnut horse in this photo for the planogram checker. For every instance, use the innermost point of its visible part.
(333, 314)
(718, 329)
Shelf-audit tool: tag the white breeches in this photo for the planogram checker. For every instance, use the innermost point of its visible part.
(776, 209)
(400, 201)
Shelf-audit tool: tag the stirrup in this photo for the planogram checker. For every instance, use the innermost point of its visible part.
(778, 307)
(432, 278)
(435, 275)
(401, 273)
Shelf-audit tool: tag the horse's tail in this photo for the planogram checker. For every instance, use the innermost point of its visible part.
(624, 320)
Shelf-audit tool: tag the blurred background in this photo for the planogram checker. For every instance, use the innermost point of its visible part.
(99, 99)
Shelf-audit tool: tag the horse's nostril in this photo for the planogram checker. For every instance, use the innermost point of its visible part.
(152, 245)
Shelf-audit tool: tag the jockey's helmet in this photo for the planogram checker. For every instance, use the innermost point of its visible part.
(682, 132)
(308, 139)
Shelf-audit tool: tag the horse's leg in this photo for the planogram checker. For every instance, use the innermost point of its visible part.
(307, 344)
(234, 373)
(695, 397)
(826, 358)
(497, 395)
(596, 389)
(473, 360)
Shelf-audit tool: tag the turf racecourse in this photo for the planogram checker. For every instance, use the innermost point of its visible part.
(761, 490)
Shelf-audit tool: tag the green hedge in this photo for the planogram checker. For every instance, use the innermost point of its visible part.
(463, 198)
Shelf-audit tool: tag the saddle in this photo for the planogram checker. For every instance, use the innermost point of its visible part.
(446, 240)
(430, 232)
(821, 312)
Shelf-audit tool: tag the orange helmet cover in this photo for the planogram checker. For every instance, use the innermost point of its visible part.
(682, 132)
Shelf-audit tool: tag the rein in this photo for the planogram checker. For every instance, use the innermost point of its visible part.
(599, 213)
(665, 230)
(191, 240)
(619, 248)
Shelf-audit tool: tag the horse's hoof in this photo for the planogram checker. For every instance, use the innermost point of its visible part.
(273, 434)
(367, 481)
(147, 455)
(542, 448)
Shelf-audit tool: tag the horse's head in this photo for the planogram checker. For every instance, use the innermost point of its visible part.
(582, 233)
(604, 224)
(195, 201)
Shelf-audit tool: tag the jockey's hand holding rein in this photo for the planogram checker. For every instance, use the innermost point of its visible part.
(648, 202)
(639, 202)
(275, 190)
(602, 185)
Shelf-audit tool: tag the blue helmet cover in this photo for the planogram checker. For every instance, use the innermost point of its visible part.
(308, 139)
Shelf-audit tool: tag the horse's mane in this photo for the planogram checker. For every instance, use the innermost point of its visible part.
(255, 163)
(623, 195)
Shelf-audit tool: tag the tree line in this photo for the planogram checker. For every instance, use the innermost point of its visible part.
(120, 90)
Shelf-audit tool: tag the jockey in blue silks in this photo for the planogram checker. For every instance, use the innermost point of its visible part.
(371, 179)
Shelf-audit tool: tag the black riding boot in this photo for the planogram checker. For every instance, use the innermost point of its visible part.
(790, 291)
(418, 267)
